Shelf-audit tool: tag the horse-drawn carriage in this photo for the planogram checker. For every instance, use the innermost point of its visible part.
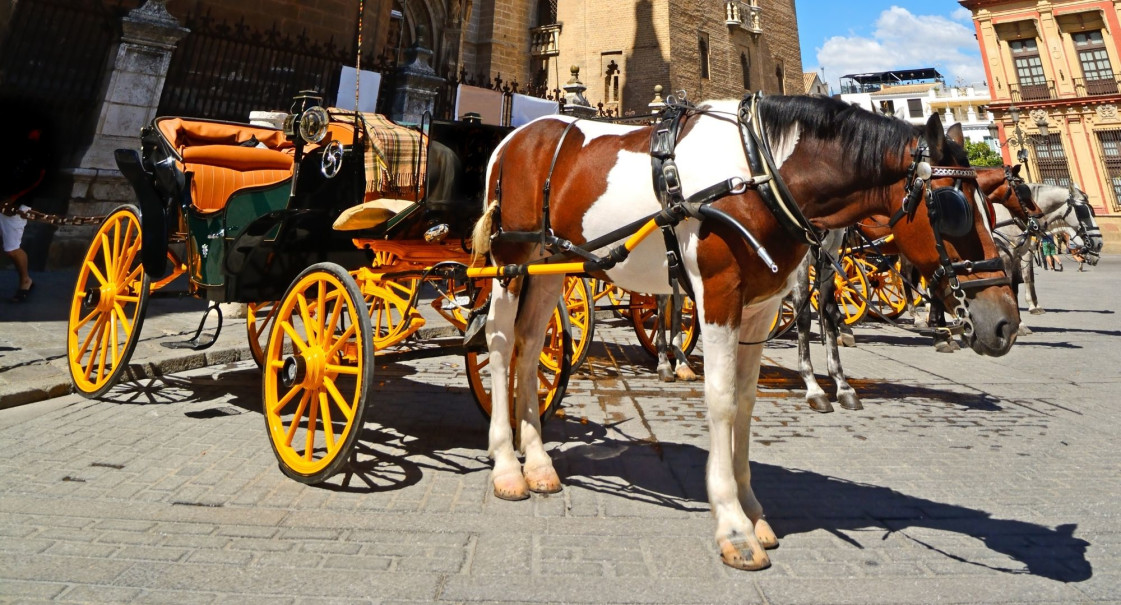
(722, 201)
(295, 223)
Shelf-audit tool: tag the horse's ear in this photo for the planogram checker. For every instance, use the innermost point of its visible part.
(935, 137)
(956, 135)
(1016, 170)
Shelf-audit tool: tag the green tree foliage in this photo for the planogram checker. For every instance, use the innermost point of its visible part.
(980, 154)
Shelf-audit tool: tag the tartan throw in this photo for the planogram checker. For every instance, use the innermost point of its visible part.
(396, 157)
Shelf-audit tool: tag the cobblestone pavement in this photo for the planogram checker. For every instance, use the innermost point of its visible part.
(965, 480)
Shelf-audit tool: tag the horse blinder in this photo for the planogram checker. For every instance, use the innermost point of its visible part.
(950, 213)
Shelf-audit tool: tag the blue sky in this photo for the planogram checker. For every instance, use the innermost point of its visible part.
(856, 36)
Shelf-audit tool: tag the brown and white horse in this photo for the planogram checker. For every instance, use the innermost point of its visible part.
(838, 162)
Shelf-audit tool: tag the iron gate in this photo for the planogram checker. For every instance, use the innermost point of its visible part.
(224, 71)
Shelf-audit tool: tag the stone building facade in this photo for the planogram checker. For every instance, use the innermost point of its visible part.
(707, 49)
(1052, 72)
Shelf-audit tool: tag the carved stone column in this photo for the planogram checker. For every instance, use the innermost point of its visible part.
(130, 96)
(417, 83)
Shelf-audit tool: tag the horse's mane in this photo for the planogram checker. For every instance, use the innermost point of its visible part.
(862, 137)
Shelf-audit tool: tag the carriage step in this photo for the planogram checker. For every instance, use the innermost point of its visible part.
(196, 343)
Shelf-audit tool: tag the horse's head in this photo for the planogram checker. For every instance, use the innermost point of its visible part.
(1079, 216)
(845, 164)
(950, 242)
(1002, 185)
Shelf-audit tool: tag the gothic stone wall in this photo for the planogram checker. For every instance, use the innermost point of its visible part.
(657, 42)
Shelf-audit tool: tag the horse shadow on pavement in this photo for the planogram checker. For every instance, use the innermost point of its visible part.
(604, 460)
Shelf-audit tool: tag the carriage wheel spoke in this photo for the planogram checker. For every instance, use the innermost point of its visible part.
(96, 272)
(349, 370)
(113, 340)
(321, 312)
(309, 436)
(89, 337)
(83, 321)
(126, 325)
(340, 401)
(287, 396)
(325, 413)
(332, 323)
(342, 340)
(305, 315)
(291, 332)
(297, 416)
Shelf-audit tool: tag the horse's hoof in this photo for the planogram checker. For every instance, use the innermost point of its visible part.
(1023, 331)
(685, 374)
(849, 401)
(510, 486)
(741, 554)
(1038, 311)
(820, 403)
(543, 480)
(846, 340)
(666, 375)
(944, 346)
(765, 535)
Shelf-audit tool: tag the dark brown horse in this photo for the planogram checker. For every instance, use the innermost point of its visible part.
(999, 186)
(831, 163)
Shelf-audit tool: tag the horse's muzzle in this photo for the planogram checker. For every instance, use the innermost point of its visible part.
(996, 320)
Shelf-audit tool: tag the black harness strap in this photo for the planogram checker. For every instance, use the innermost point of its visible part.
(776, 196)
(544, 236)
(667, 186)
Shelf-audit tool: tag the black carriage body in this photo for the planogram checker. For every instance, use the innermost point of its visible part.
(458, 153)
(251, 206)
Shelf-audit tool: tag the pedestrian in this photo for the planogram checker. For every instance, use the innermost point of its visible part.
(23, 167)
(1076, 254)
(1047, 249)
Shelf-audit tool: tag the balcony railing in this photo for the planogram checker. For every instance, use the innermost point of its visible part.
(543, 41)
(745, 15)
(1033, 92)
(1095, 87)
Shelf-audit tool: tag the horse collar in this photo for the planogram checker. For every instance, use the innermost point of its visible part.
(775, 194)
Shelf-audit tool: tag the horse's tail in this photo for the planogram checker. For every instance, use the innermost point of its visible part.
(480, 236)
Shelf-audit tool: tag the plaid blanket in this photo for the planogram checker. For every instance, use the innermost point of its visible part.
(396, 157)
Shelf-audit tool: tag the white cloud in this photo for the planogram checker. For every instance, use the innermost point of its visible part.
(903, 40)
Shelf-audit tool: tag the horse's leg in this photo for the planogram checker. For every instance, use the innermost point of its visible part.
(1029, 283)
(815, 396)
(509, 484)
(943, 341)
(540, 301)
(830, 315)
(665, 368)
(735, 532)
(753, 323)
(683, 370)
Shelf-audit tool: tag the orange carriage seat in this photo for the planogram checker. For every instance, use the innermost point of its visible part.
(222, 163)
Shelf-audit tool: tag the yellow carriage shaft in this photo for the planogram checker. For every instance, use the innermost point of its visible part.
(561, 268)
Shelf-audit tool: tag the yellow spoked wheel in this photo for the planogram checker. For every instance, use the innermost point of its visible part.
(784, 317)
(851, 293)
(318, 373)
(889, 297)
(553, 369)
(393, 317)
(643, 314)
(108, 304)
(258, 323)
(579, 299)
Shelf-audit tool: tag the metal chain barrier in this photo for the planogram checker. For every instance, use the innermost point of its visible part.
(54, 219)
